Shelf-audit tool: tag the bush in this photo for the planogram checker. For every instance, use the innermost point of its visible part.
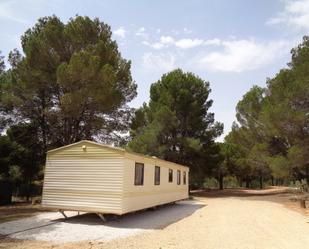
(255, 184)
(211, 183)
(230, 182)
(302, 185)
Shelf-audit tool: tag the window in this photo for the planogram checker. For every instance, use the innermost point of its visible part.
(170, 175)
(139, 174)
(178, 177)
(184, 178)
(157, 175)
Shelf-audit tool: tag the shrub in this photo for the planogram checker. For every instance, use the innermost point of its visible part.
(211, 183)
(230, 182)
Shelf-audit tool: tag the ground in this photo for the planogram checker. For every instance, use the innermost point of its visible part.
(18, 211)
(214, 219)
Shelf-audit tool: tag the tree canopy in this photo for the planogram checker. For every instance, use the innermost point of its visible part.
(273, 123)
(71, 82)
(176, 124)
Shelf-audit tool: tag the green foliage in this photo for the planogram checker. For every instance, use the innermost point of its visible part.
(210, 183)
(26, 156)
(273, 136)
(302, 185)
(20, 157)
(230, 182)
(6, 149)
(280, 167)
(176, 124)
(71, 83)
(2, 64)
(15, 173)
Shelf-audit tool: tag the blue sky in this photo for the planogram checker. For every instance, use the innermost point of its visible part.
(232, 44)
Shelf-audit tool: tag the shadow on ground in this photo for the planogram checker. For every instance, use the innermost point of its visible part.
(51, 227)
(157, 218)
(242, 192)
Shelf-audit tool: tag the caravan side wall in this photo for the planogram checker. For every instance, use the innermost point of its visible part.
(149, 194)
(90, 180)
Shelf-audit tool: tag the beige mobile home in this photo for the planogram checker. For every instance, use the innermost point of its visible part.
(92, 177)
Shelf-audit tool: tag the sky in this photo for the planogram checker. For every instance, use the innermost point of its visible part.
(232, 44)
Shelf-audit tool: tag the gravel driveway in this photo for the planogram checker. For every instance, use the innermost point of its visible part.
(229, 223)
(210, 223)
(52, 227)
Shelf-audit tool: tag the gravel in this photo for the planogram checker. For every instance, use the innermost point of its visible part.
(52, 227)
(213, 222)
(226, 223)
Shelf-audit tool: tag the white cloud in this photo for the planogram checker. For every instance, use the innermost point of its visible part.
(230, 55)
(188, 43)
(295, 15)
(164, 42)
(141, 32)
(167, 40)
(242, 55)
(184, 43)
(121, 32)
(146, 43)
(159, 62)
(142, 29)
(157, 45)
(214, 41)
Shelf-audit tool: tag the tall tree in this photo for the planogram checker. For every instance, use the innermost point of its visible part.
(176, 125)
(241, 140)
(225, 167)
(4, 79)
(6, 149)
(286, 111)
(250, 137)
(274, 123)
(72, 82)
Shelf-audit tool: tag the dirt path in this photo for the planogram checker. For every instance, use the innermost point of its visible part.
(229, 223)
(225, 222)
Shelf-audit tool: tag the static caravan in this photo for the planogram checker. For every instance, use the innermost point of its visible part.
(92, 177)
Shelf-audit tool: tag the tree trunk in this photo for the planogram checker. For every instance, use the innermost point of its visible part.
(221, 182)
(28, 190)
(261, 182)
(248, 183)
(272, 181)
(239, 180)
(307, 173)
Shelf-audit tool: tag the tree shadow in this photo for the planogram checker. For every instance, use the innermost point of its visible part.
(152, 218)
(242, 192)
